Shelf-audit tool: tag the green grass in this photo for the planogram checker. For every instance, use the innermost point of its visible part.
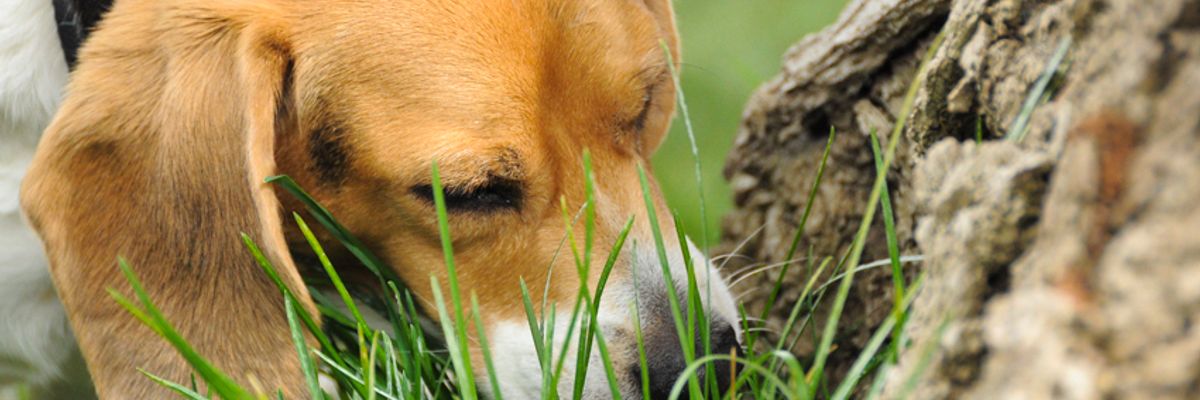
(370, 364)
(410, 363)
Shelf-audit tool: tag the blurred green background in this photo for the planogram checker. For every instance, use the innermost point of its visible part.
(730, 47)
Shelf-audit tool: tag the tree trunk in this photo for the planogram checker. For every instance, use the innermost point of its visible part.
(1062, 265)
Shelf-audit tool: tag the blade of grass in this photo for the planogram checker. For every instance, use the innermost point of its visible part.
(704, 236)
(223, 385)
(613, 387)
(534, 327)
(893, 246)
(925, 359)
(641, 348)
(535, 330)
(395, 384)
(361, 328)
(550, 387)
(1020, 124)
(439, 200)
(350, 375)
(808, 203)
(177, 388)
(859, 368)
(462, 370)
(415, 358)
(583, 350)
(800, 302)
(485, 349)
(690, 373)
(687, 124)
(579, 295)
(306, 362)
(822, 354)
(668, 281)
(310, 324)
(817, 300)
(384, 274)
(589, 211)
(696, 319)
(369, 366)
(871, 265)
(877, 385)
(889, 224)
(335, 228)
(333, 275)
(978, 129)
(584, 353)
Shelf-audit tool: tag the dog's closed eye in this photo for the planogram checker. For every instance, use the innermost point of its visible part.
(639, 122)
(496, 194)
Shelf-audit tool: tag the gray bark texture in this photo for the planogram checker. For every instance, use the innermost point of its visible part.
(1062, 266)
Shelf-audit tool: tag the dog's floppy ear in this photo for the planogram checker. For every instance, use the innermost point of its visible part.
(158, 155)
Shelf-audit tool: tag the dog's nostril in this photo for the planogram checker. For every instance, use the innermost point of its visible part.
(724, 338)
(666, 363)
(724, 341)
(664, 366)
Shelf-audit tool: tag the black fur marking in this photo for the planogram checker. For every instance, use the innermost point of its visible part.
(327, 149)
(76, 19)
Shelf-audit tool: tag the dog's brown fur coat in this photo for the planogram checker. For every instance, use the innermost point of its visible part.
(179, 109)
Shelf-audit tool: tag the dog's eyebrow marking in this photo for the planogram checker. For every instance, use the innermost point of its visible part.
(326, 147)
(509, 166)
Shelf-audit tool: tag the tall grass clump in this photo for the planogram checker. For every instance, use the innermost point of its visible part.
(413, 358)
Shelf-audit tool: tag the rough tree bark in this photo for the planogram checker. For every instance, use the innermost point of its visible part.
(1064, 265)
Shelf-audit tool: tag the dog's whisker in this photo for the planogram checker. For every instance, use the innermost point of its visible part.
(763, 329)
(745, 278)
(738, 249)
(755, 323)
(759, 270)
(759, 264)
(725, 257)
(743, 270)
(752, 268)
(740, 297)
(765, 268)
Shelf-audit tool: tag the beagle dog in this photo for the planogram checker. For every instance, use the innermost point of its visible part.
(179, 109)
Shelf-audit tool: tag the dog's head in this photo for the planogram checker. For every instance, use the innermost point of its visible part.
(357, 100)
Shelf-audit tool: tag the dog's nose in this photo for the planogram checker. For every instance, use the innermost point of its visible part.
(724, 341)
(666, 362)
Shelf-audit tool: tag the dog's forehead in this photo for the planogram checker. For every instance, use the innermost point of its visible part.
(481, 57)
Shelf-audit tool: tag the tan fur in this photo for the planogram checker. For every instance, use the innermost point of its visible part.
(179, 109)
